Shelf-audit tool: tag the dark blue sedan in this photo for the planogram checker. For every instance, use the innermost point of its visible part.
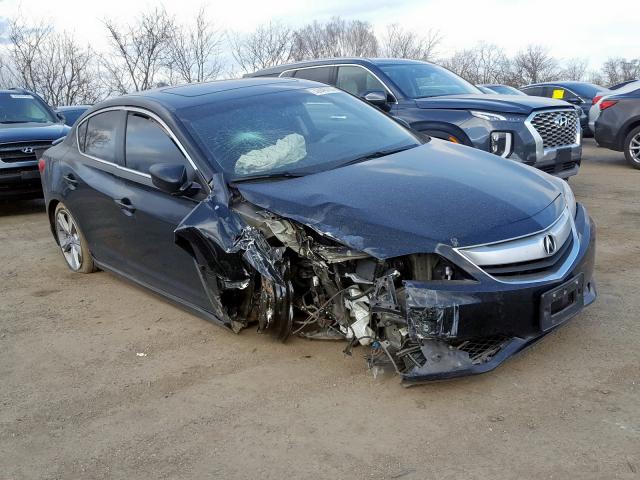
(296, 207)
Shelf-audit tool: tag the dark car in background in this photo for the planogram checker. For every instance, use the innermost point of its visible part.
(297, 207)
(580, 94)
(72, 113)
(501, 89)
(543, 133)
(28, 126)
(618, 126)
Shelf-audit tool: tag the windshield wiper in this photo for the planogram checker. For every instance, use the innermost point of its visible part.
(267, 176)
(13, 121)
(379, 154)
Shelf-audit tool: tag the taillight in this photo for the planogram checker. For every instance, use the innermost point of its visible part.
(41, 165)
(607, 103)
(596, 99)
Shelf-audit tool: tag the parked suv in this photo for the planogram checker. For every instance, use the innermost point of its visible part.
(28, 126)
(540, 132)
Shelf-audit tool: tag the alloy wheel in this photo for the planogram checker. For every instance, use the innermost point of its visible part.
(634, 148)
(69, 239)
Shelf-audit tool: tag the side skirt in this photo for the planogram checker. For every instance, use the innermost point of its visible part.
(167, 296)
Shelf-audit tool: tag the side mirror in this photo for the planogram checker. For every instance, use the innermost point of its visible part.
(376, 97)
(169, 178)
(61, 117)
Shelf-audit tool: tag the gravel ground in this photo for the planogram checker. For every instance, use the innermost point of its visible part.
(101, 379)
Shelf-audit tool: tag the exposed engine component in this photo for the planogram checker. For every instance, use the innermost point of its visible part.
(297, 281)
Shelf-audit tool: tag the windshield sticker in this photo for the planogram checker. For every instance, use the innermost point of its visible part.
(322, 90)
(558, 93)
(13, 95)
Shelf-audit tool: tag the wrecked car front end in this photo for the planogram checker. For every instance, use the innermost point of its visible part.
(447, 311)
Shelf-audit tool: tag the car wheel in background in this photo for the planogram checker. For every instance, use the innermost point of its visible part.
(632, 147)
(72, 243)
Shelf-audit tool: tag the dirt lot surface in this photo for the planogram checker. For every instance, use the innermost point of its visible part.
(79, 400)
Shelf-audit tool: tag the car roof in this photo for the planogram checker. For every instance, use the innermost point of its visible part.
(73, 107)
(563, 82)
(331, 61)
(180, 96)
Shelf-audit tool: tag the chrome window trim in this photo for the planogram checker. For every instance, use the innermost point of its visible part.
(541, 152)
(558, 274)
(395, 101)
(144, 111)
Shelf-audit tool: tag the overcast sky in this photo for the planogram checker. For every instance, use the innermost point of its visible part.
(570, 28)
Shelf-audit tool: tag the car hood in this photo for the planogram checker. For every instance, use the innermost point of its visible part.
(413, 201)
(495, 103)
(32, 132)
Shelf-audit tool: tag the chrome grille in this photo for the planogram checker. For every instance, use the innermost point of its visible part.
(13, 152)
(557, 128)
(525, 258)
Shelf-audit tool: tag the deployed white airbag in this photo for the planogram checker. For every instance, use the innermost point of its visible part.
(290, 149)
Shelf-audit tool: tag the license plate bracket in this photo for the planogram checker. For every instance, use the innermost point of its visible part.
(561, 303)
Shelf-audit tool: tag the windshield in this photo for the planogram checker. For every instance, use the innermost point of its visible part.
(293, 132)
(24, 108)
(419, 80)
(506, 90)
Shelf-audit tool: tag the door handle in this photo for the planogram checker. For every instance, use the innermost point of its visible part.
(70, 180)
(125, 204)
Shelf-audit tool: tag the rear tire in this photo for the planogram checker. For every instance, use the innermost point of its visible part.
(73, 245)
(632, 147)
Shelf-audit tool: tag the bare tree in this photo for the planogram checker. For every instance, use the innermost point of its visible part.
(52, 64)
(400, 43)
(194, 51)
(485, 63)
(618, 70)
(138, 51)
(268, 45)
(335, 38)
(575, 69)
(534, 64)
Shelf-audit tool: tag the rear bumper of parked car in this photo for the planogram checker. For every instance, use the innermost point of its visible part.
(607, 135)
(497, 320)
(20, 182)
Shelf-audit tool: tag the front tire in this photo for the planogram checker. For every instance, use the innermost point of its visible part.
(632, 147)
(73, 245)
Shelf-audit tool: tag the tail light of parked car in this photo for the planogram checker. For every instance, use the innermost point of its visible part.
(596, 99)
(607, 103)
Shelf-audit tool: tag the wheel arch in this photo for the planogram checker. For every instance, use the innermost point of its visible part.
(628, 126)
(442, 130)
(51, 211)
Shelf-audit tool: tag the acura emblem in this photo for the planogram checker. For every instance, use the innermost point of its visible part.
(561, 121)
(549, 244)
(27, 150)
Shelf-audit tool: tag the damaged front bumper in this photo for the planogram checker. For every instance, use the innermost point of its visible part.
(474, 328)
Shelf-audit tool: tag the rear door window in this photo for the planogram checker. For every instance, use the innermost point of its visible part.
(102, 136)
(357, 80)
(148, 143)
(317, 74)
(534, 91)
